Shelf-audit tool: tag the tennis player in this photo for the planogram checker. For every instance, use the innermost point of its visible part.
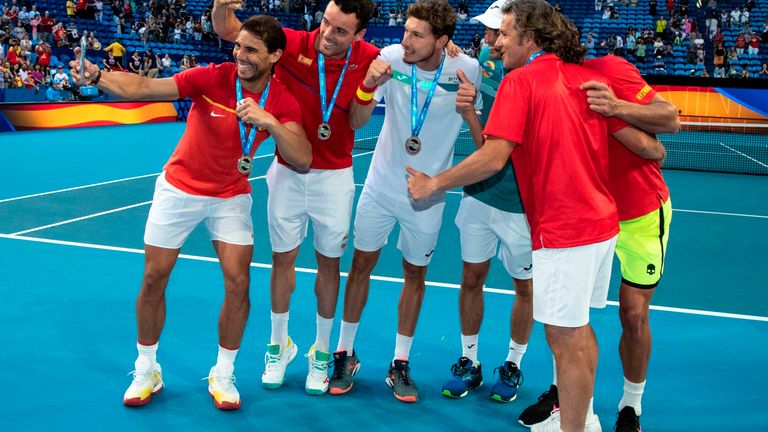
(235, 107)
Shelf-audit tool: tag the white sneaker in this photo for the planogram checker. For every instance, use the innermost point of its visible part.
(552, 424)
(147, 381)
(317, 378)
(221, 387)
(276, 360)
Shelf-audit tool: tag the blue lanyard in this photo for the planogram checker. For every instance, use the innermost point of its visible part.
(248, 143)
(534, 56)
(324, 106)
(83, 48)
(416, 124)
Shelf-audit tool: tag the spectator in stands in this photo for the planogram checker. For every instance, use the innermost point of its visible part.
(166, 63)
(46, 27)
(185, 63)
(117, 50)
(719, 72)
(711, 24)
(25, 44)
(744, 19)
(111, 63)
(192, 61)
(698, 40)
(658, 47)
(619, 47)
(763, 72)
(658, 65)
(43, 51)
(725, 18)
(80, 9)
(38, 75)
(679, 36)
(765, 30)
(136, 64)
(700, 56)
(52, 94)
(719, 54)
(151, 64)
(741, 43)
(392, 16)
(70, 8)
(652, 11)
(607, 12)
(733, 55)
(631, 43)
(704, 74)
(735, 18)
(754, 44)
(718, 38)
(60, 80)
(661, 26)
(589, 43)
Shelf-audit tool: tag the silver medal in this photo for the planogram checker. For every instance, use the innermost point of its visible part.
(324, 131)
(413, 145)
(244, 164)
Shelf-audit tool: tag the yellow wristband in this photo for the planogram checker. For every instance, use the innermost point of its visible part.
(364, 96)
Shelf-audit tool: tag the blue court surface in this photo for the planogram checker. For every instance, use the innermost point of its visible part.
(73, 204)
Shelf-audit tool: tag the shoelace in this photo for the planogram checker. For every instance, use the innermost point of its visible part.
(459, 371)
(338, 368)
(403, 374)
(141, 375)
(513, 380)
(272, 361)
(318, 365)
(225, 381)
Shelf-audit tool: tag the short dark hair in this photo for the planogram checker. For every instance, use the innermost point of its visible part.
(267, 29)
(363, 9)
(551, 30)
(438, 13)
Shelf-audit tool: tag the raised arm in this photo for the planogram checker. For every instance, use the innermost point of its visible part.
(362, 106)
(465, 105)
(223, 18)
(124, 85)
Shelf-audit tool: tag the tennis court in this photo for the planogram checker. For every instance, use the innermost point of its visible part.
(73, 204)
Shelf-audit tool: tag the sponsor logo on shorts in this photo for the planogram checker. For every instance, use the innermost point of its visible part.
(430, 253)
(528, 268)
(651, 269)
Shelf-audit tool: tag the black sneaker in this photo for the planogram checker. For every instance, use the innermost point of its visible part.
(541, 410)
(627, 421)
(344, 368)
(399, 379)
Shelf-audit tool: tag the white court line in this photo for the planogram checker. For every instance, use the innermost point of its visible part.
(373, 277)
(78, 187)
(81, 218)
(746, 156)
(720, 213)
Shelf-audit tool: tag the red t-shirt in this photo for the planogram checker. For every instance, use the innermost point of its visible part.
(205, 160)
(562, 156)
(741, 42)
(46, 24)
(11, 56)
(754, 41)
(43, 56)
(636, 183)
(298, 70)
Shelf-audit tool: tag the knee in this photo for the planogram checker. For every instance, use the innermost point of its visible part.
(283, 260)
(362, 263)
(414, 272)
(154, 281)
(524, 290)
(237, 286)
(472, 280)
(633, 320)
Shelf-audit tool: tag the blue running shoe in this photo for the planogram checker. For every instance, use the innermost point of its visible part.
(510, 378)
(466, 377)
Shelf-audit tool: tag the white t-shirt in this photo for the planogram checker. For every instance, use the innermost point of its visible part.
(438, 134)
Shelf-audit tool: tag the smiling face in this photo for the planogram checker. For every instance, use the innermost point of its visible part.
(514, 48)
(490, 37)
(419, 43)
(252, 57)
(337, 32)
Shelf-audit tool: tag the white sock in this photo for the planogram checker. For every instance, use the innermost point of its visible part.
(591, 408)
(469, 347)
(323, 334)
(516, 352)
(147, 355)
(225, 361)
(402, 346)
(347, 337)
(279, 329)
(633, 396)
(554, 371)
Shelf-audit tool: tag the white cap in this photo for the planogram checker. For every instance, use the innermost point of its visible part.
(491, 18)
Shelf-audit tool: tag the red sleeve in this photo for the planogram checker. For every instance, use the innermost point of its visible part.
(626, 81)
(192, 82)
(509, 113)
(615, 124)
(292, 41)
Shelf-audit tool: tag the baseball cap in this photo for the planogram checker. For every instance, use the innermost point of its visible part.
(492, 16)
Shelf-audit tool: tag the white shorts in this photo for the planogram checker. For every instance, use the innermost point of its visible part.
(419, 227)
(571, 280)
(323, 196)
(482, 227)
(175, 213)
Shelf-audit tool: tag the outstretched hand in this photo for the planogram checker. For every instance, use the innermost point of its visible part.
(228, 4)
(89, 74)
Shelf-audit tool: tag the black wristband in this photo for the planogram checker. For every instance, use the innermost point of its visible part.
(98, 78)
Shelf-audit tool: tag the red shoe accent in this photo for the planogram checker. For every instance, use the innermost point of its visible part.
(225, 406)
(408, 399)
(136, 402)
(338, 391)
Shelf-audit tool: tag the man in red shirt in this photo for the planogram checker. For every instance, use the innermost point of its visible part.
(561, 160)
(43, 51)
(642, 200)
(206, 180)
(46, 26)
(331, 60)
(754, 44)
(741, 43)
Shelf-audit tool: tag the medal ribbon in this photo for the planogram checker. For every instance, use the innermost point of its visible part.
(326, 108)
(534, 56)
(417, 123)
(248, 143)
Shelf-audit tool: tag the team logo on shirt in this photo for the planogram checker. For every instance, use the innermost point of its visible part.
(643, 92)
(454, 80)
(305, 60)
